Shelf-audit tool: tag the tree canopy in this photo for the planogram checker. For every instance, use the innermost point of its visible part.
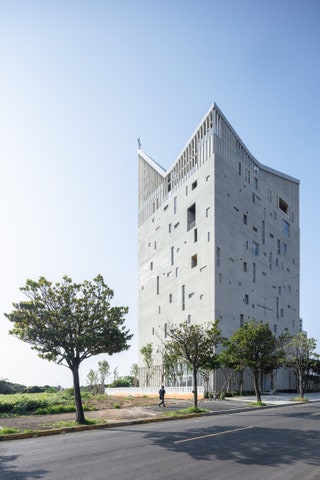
(68, 322)
(255, 347)
(301, 357)
(196, 345)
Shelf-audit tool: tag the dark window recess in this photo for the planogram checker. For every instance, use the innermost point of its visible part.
(283, 205)
(191, 217)
(195, 235)
(194, 185)
(194, 260)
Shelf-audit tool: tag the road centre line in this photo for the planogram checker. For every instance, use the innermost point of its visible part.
(213, 434)
(315, 414)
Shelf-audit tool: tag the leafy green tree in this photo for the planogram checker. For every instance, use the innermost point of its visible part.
(300, 356)
(115, 374)
(103, 370)
(253, 346)
(92, 380)
(147, 353)
(134, 372)
(212, 363)
(69, 322)
(122, 382)
(195, 345)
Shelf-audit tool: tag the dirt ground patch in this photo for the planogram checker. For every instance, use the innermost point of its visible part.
(111, 409)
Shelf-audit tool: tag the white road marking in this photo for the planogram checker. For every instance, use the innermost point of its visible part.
(213, 434)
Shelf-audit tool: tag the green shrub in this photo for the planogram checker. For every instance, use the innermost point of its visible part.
(8, 431)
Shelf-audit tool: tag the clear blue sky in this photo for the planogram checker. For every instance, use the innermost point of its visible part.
(80, 81)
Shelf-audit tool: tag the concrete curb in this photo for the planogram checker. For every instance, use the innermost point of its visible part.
(99, 426)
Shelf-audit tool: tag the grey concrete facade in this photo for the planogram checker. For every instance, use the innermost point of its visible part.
(218, 238)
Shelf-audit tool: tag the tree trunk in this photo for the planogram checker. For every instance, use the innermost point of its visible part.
(256, 385)
(77, 395)
(195, 388)
(301, 392)
(241, 382)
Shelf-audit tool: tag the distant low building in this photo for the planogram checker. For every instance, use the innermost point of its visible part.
(218, 238)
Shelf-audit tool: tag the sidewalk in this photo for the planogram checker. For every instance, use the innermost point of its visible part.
(233, 403)
(278, 398)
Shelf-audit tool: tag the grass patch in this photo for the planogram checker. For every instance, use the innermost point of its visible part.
(186, 411)
(299, 399)
(41, 403)
(257, 404)
(72, 423)
(8, 431)
(116, 406)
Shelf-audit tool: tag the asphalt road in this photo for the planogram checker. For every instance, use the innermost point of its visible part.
(268, 444)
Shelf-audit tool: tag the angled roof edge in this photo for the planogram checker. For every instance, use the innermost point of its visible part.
(158, 168)
(276, 172)
(164, 172)
(260, 165)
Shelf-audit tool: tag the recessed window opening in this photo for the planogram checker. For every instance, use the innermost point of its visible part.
(194, 261)
(172, 255)
(191, 217)
(175, 205)
(283, 205)
(218, 257)
(183, 296)
(195, 235)
(255, 248)
(194, 185)
(286, 228)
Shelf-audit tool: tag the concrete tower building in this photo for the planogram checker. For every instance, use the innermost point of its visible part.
(218, 238)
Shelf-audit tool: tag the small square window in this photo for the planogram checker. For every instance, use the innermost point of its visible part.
(194, 261)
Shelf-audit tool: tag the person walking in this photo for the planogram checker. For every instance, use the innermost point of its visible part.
(162, 393)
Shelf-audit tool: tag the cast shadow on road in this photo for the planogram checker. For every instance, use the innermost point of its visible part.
(8, 471)
(245, 444)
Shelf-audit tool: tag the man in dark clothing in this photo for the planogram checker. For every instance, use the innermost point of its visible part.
(162, 393)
